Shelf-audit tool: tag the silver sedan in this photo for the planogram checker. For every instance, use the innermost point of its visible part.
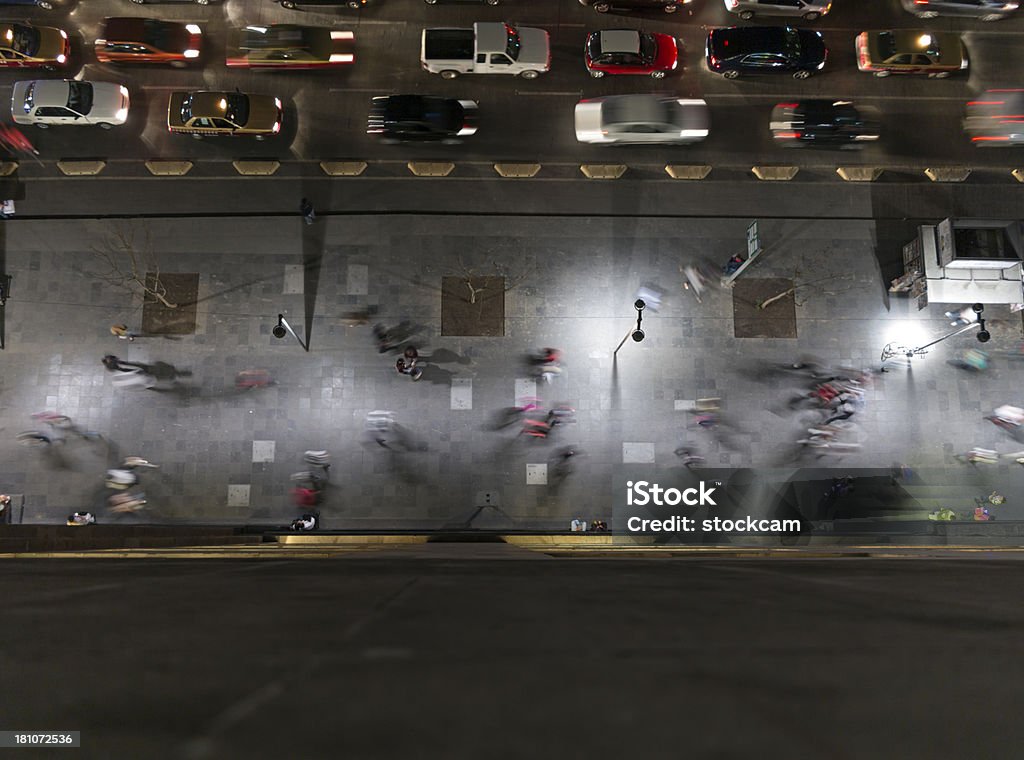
(641, 119)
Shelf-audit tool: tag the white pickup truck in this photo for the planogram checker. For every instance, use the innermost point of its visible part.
(487, 48)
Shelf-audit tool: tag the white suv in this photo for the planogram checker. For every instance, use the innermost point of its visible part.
(807, 9)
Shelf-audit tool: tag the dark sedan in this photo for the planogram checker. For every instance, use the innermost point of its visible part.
(824, 124)
(756, 50)
(421, 117)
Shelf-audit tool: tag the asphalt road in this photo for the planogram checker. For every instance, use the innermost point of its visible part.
(522, 120)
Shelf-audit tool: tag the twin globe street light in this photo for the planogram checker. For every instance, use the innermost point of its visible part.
(637, 335)
(983, 336)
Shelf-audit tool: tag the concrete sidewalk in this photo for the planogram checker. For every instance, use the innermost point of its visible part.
(226, 456)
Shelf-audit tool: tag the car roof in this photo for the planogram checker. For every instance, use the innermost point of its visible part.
(906, 40)
(207, 104)
(277, 37)
(123, 29)
(743, 40)
(619, 41)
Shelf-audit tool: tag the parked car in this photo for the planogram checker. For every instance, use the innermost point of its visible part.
(478, 2)
(996, 119)
(805, 9)
(986, 10)
(27, 46)
(823, 123)
(224, 113)
(289, 46)
(52, 102)
(421, 117)
(197, 2)
(641, 119)
(906, 51)
(668, 6)
(755, 50)
(490, 47)
(293, 4)
(148, 40)
(627, 51)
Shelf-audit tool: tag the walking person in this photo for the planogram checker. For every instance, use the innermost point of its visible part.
(308, 213)
(123, 333)
(406, 363)
(320, 459)
(81, 518)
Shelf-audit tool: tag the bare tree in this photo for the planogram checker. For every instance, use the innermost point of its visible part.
(795, 290)
(479, 280)
(130, 264)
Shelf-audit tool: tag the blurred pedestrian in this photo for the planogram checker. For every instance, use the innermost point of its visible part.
(123, 333)
(308, 213)
(121, 479)
(124, 503)
(320, 459)
(112, 363)
(965, 316)
(253, 378)
(599, 526)
(408, 367)
(577, 525)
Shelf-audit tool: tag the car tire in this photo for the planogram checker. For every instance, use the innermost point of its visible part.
(928, 14)
(602, 7)
(882, 73)
(430, 2)
(596, 74)
(746, 15)
(260, 138)
(493, 2)
(139, 2)
(40, 125)
(288, 4)
(730, 74)
(941, 75)
(202, 2)
(801, 74)
(993, 17)
(196, 136)
(451, 141)
(46, 6)
(529, 74)
(449, 74)
(355, 5)
(658, 74)
(104, 125)
(671, 8)
(812, 16)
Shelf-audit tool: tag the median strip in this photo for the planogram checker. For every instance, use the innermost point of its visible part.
(775, 173)
(859, 173)
(517, 170)
(603, 171)
(81, 168)
(431, 168)
(683, 171)
(256, 168)
(343, 168)
(948, 174)
(169, 168)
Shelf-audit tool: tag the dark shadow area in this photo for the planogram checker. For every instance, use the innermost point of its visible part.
(312, 261)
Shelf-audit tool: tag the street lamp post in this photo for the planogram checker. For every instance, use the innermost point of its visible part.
(637, 335)
(282, 328)
(983, 336)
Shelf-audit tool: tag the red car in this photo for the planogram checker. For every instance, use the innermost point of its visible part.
(627, 51)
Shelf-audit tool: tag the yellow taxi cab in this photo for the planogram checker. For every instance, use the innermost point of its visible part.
(202, 114)
(27, 46)
(289, 46)
(905, 51)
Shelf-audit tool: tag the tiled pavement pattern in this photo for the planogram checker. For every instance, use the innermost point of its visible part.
(226, 455)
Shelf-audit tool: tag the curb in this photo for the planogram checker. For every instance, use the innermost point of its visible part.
(603, 171)
(691, 172)
(7, 168)
(431, 168)
(256, 168)
(169, 168)
(775, 173)
(343, 168)
(81, 168)
(1018, 174)
(518, 171)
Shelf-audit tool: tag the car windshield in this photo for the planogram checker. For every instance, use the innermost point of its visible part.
(512, 43)
(792, 43)
(23, 39)
(886, 45)
(438, 112)
(155, 33)
(648, 47)
(637, 111)
(275, 37)
(80, 97)
(238, 108)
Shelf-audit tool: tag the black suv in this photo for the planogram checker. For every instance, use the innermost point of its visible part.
(823, 123)
(603, 6)
(754, 50)
(421, 117)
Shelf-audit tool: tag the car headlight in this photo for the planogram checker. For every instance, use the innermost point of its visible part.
(190, 53)
(277, 102)
(193, 29)
(1011, 6)
(341, 58)
(821, 66)
(61, 58)
(123, 90)
(277, 127)
(121, 115)
(63, 33)
(963, 64)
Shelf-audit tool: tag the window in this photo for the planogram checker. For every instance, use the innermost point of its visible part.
(499, 59)
(900, 60)
(54, 112)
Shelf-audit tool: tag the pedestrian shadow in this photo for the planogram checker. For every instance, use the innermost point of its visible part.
(446, 356)
(437, 375)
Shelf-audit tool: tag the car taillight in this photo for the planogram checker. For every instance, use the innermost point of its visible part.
(712, 61)
(733, 4)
